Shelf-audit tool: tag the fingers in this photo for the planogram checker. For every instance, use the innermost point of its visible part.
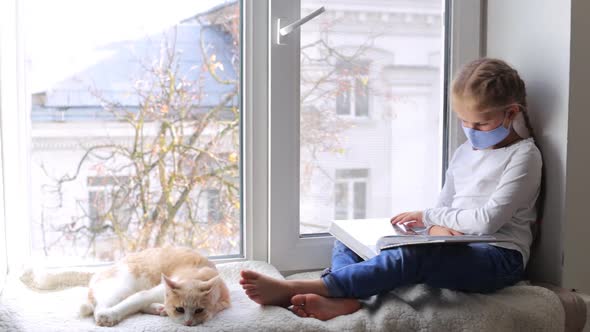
(394, 220)
(402, 217)
(407, 218)
(411, 223)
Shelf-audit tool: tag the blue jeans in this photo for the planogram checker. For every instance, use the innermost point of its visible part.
(473, 267)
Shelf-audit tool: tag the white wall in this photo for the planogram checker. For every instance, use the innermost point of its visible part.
(534, 36)
(576, 244)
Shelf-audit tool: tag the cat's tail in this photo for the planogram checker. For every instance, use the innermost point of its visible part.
(55, 279)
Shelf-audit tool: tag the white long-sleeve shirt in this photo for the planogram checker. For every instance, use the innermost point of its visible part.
(492, 191)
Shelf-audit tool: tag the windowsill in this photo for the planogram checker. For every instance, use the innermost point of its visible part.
(23, 309)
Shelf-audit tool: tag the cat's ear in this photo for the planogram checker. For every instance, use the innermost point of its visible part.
(172, 285)
(208, 285)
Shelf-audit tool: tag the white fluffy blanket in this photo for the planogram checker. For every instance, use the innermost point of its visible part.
(416, 308)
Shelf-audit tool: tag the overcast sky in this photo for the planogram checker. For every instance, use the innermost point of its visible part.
(61, 36)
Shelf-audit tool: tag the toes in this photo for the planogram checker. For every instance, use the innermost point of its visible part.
(248, 277)
(249, 286)
(299, 311)
(298, 300)
(247, 274)
(247, 282)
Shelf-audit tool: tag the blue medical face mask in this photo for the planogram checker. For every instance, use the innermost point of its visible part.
(484, 139)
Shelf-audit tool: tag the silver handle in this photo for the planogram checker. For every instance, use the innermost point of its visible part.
(284, 31)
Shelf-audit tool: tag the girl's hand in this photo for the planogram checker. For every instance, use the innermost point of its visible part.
(443, 231)
(411, 219)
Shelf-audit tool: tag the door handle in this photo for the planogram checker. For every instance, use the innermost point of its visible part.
(283, 32)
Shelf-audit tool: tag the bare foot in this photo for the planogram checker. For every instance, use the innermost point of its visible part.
(266, 290)
(323, 308)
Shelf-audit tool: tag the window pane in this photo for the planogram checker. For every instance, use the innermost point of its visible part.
(361, 97)
(135, 126)
(360, 200)
(341, 201)
(96, 205)
(213, 205)
(343, 99)
(371, 100)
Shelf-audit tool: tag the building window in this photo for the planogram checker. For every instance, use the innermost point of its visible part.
(108, 204)
(213, 212)
(209, 206)
(352, 94)
(350, 194)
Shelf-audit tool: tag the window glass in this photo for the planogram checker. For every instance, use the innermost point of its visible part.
(371, 100)
(360, 200)
(361, 97)
(350, 193)
(341, 200)
(135, 126)
(343, 98)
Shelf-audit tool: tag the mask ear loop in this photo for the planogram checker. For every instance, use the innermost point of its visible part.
(519, 123)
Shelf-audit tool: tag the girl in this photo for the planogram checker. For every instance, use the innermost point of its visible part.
(491, 187)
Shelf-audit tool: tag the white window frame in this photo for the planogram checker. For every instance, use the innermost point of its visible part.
(289, 251)
(467, 43)
(3, 104)
(14, 128)
(255, 152)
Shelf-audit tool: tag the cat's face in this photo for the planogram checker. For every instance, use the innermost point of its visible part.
(193, 302)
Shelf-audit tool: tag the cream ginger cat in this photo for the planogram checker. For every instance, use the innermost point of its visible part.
(177, 282)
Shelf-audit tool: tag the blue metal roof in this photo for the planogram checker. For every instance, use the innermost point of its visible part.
(116, 75)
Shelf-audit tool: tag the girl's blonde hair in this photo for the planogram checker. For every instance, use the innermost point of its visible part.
(492, 84)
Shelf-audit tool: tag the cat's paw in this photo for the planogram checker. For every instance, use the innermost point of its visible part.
(157, 309)
(107, 318)
(162, 310)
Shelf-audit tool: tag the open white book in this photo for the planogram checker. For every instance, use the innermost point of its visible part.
(367, 237)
